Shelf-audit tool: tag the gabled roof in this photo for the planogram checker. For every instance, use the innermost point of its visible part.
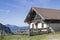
(46, 13)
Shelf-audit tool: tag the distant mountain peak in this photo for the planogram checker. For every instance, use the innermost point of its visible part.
(14, 27)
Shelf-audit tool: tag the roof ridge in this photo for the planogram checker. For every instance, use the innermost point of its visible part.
(46, 8)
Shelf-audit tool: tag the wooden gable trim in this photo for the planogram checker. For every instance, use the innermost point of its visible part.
(39, 14)
(30, 15)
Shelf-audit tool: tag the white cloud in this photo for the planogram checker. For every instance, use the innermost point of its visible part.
(44, 1)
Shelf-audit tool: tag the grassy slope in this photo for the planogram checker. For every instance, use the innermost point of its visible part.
(51, 36)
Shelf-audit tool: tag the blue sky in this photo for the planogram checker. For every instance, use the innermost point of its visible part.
(15, 11)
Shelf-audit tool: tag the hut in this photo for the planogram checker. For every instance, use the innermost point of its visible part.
(43, 20)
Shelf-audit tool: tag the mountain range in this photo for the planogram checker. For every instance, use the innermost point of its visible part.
(13, 28)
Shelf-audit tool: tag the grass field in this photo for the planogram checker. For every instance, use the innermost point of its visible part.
(51, 36)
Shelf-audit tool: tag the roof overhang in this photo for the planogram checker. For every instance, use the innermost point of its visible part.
(45, 14)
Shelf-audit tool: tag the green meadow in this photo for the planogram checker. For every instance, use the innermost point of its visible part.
(50, 36)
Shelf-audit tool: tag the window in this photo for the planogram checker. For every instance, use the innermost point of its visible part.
(45, 26)
(32, 25)
(39, 25)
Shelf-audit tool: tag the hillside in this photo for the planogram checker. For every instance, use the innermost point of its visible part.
(5, 29)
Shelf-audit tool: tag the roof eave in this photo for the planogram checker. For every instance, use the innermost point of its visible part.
(27, 16)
